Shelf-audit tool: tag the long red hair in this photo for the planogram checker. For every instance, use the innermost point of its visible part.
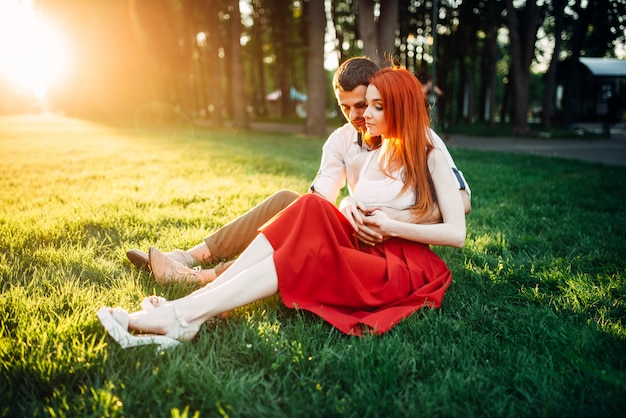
(406, 144)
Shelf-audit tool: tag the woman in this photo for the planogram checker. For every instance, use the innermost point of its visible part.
(309, 253)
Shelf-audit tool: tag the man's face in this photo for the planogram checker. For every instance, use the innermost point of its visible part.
(353, 104)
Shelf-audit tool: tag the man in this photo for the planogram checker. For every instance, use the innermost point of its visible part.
(350, 84)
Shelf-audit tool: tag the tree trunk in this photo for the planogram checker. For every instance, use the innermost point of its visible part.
(258, 67)
(316, 76)
(469, 93)
(387, 24)
(571, 83)
(522, 40)
(505, 107)
(345, 26)
(279, 18)
(460, 91)
(367, 30)
(378, 35)
(240, 111)
(548, 96)
(490, 79)
(214, 69)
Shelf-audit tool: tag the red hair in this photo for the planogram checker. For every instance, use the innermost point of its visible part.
(407, 144)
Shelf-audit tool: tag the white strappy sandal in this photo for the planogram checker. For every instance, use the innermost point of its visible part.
(116, 324)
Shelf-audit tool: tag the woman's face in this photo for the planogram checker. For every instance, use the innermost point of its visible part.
(374, 115)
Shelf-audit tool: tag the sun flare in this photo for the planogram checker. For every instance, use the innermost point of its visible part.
(32, 52)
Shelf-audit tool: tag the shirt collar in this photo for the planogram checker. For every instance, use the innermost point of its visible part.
(360, 143)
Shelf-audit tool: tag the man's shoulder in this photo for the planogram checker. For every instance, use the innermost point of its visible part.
(345, 134)
(345, 130)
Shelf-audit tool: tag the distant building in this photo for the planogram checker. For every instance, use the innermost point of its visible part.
(591, 90)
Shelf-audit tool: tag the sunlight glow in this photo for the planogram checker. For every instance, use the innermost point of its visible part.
(32, 53)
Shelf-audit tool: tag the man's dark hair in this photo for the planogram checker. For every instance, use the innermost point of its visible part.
(354, 72)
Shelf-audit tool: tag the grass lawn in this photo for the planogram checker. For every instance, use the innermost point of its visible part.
(533, 324)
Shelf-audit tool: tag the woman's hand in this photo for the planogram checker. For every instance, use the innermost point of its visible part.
(374, 228)
(354, 211)
(368, 232)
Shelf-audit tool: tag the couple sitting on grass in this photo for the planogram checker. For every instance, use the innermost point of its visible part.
(363, 267)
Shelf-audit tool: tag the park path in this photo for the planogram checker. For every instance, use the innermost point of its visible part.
(611, 151)
(607, 151)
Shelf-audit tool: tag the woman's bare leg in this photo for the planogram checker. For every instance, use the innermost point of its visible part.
(259, 249)
(251, 278)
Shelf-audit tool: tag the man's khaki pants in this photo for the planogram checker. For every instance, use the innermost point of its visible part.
(230, 240)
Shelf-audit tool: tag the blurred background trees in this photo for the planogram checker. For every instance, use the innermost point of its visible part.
(234, 61)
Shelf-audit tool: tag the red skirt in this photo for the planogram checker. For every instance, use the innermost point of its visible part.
(358, 289)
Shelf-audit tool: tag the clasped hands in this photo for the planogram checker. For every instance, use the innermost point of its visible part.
(369, 223)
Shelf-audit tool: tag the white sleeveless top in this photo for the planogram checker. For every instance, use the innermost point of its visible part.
(385, 192)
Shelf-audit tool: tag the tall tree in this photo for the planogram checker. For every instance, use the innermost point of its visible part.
(367, 29)
(557, 13)
(279, 15)
(240, 111)
(465, 40)
(522, 38)
(343, 15)
(378, 32)
(491, 21)
(316, 76)
(388, 26)
(214, 67)
(184, 71)
(257, 45)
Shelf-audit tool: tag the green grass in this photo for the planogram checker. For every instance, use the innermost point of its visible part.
(533, 324)
(536, 131)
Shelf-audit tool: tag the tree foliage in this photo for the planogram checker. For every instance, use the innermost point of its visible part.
(220, 59)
